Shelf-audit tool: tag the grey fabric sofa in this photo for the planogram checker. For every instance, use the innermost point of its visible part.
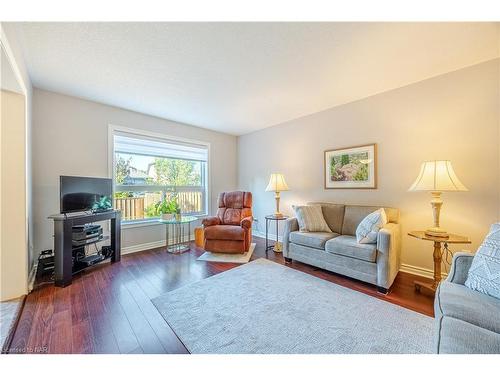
(466, 321)
(339, 251)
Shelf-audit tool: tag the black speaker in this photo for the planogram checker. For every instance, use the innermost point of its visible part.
(45, 263)
(106, 251)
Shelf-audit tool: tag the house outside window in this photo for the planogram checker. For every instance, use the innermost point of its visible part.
(151, 169)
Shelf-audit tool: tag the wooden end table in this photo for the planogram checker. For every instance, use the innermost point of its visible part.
(452, 238)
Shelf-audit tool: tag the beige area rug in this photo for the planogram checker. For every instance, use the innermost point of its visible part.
(9, 310)
(237, 312)
(228, 258)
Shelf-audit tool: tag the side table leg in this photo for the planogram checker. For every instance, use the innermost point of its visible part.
(437, 263)
(267, 221)
(432, 286)
(277, 245)
(166, 235)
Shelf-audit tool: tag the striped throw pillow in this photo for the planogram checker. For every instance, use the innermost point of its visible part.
(311, 219)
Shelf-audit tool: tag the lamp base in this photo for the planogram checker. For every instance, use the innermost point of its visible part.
(278, 247)
(436, 232)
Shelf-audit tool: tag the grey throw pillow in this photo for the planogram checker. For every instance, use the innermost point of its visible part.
(484, 273)
(310, 219)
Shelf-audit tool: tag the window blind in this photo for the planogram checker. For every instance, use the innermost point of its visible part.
(149, 146)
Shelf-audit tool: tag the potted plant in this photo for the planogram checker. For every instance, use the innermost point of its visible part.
(102, 204)
(167, 208)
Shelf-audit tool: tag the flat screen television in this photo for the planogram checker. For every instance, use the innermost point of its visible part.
(85, 194)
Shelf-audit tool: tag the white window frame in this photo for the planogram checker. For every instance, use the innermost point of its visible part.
(140, 132)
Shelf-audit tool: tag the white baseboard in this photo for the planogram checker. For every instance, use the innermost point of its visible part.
(32, 276)
(420, 271)
(150, 245)
(270, 236)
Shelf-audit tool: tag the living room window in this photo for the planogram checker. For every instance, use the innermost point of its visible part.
(151, 171)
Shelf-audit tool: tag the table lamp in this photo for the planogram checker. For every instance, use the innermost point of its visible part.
(437, 176)
(277, 184)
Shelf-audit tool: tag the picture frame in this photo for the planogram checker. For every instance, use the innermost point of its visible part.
(351, 167)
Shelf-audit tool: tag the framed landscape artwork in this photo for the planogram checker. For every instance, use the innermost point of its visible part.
(351, 168)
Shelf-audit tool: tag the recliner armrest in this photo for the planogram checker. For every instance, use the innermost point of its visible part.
(246, 222)
(210, 220)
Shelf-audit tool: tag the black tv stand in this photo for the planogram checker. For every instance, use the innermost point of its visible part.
(63, 244)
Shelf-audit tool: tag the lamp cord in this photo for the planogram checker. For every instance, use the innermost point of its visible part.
(446, 256)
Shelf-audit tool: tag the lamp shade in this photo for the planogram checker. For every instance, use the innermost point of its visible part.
(277, 183)
(437, 175)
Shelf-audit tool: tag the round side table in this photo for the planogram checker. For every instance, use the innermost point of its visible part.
(277, 247)
(178, 244)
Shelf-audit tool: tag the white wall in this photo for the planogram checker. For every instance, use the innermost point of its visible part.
(14, 245)
(70, 137)
(17, 244)
(453, 116)
(498, 104)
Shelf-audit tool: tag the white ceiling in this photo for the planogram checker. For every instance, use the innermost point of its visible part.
(241, 77)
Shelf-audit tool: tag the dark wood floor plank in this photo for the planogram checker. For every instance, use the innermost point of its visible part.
(41, 331)
(103, 339)
(148, 287)
(144, 270)
(81, 331)
(108, 309)
(81, 335)
(62, 300)
(61, 336)
(79, 311)
(165, 334)
(115, 315)
(145, 335)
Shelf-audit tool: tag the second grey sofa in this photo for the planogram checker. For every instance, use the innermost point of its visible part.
(467, 322)
(339, 251)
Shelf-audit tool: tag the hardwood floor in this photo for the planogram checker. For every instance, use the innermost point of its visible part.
(108, 309)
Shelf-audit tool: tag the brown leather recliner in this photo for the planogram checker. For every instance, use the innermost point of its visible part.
(231, 230)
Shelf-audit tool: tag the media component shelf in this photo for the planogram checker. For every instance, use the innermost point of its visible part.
(72, 233)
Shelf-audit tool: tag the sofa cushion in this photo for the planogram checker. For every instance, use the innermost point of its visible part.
(484, 272)
(225, 232)
(333, 214)
(311, 218)
(312, 239)
(354, 214)
(367, 230)
(349, 246)
(459, 302)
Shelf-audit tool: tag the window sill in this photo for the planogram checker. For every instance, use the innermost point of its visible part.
(147, 223)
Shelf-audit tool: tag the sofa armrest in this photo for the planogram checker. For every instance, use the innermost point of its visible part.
(291, 225)
(460, 267)
(246, 222)
(210, 220)
(388, 254)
